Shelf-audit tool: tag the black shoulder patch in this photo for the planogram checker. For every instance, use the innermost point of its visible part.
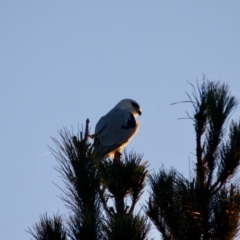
(131, 123)
(135, 105)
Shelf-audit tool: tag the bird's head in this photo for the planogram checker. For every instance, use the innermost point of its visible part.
(131, 106)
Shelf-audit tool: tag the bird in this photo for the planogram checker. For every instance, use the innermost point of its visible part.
(115, 130)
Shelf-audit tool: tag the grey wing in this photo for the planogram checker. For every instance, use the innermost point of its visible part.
(115, 129)
(100, 125)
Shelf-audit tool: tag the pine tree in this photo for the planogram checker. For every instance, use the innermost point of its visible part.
(102, 193)
(207, 206)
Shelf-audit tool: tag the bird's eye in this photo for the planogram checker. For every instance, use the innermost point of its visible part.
(135, 105)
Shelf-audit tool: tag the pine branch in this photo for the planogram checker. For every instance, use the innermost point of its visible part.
(77, 166)
(121, 180)
(127, 227)
(206, 207)
(174, 205)
(49, 228)
(126, 178)
(230, 157)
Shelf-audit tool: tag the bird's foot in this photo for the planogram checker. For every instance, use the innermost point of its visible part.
(117, 157)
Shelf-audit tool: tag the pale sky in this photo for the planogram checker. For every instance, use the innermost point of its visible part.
(65, 61)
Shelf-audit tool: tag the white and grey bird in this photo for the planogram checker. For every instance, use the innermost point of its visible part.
(115, 130)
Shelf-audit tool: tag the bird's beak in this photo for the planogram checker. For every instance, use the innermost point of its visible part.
(139, 112)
